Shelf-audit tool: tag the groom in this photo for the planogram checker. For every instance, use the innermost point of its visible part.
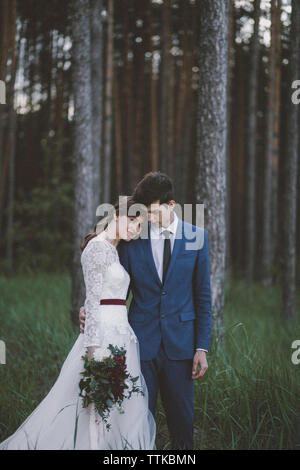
(170, 311)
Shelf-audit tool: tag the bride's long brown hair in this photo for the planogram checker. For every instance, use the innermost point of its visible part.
(124, 202)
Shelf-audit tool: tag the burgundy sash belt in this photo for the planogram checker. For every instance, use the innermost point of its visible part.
(112, 302)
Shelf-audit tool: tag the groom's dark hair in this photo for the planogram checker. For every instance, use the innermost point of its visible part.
(155, 186)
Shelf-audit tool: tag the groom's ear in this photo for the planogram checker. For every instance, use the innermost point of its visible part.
(145, 228)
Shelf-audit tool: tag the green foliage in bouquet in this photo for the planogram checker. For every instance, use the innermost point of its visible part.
(105, 381)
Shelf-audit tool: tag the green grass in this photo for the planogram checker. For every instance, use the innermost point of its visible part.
(249, 397)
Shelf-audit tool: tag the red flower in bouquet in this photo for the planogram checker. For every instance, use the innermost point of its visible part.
(120, 360)
(105, 382)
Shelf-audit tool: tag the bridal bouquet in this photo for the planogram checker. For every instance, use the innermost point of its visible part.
(105, 381)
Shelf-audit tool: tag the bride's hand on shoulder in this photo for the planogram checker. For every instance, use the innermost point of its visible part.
(82, 319)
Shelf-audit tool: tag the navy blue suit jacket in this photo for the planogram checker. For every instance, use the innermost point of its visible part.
(178, 312)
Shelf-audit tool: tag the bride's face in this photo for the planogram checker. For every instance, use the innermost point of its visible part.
(129, 227)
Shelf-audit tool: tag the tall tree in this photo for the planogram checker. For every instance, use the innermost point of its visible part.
(211, 142)
(108, 106)
(128, 96)
(238, 138)
(153, 134)
(11, 190)
(6, 37)
(171, 113)
(184, 100)
(231, 58)
(290, 186)
(139, 89)
(97, 90)
(187, 128)
(181, 67)
(164, 86)
(251, 146)
(276, 200)
(12, 123)
(267, 241)
(84, 216)
(118, 135)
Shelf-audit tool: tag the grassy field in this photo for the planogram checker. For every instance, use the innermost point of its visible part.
(249, 397)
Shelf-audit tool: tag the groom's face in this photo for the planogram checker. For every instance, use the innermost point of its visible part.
(159, 214)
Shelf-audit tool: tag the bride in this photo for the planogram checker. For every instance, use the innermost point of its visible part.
(60, 421)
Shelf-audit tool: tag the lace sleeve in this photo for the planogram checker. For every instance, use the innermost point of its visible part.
(95, 260)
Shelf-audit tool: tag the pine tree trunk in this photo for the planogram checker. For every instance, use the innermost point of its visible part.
(3, 120)
(128, 99)
(211, 142)
(231, 59)
(251, 147)
(181, 106)
(108, 123)
(164, 87)
(153, 122)
(97, 90)
(118, 137)
(84, 217)
(139, 94)
(185, 157)
(4, 23)
(12, 122)
(238, 139)
(5, 36)
(49, 83)
(171, 117)
(187, 130)
(276, 145)
(267, 241)
(11, 191)
(290, 187)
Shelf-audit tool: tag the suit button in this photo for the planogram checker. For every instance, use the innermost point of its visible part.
(163, 293)
(163, 316)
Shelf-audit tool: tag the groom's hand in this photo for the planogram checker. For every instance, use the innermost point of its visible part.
(199, 360)
(82, 319)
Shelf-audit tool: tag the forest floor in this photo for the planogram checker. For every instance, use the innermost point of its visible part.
(248, 399)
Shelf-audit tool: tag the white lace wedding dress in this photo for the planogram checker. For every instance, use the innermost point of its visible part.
(60, 421)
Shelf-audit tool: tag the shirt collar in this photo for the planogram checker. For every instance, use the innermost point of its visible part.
(171, 228)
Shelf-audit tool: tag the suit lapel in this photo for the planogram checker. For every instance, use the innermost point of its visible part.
(178, 243)
(149, 256)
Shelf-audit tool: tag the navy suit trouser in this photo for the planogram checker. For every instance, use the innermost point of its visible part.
(174, 381)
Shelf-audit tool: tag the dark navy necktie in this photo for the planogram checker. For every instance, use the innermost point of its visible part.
(167, 253)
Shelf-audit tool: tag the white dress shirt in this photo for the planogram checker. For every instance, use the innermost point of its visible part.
(157, 244)
(158, 240)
